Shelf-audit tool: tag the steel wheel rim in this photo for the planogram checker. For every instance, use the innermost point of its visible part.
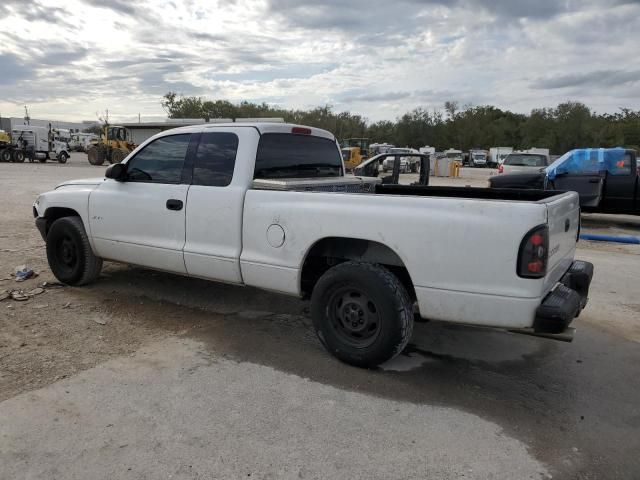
(353, 317)
(67, 254)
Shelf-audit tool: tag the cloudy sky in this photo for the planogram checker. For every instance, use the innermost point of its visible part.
(68, 60)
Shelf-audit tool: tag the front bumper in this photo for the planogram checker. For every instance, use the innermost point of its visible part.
(566, 301)
(41, 225)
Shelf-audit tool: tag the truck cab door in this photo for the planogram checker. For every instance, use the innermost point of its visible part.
(588, 185)
(620, 187)
(216, 202)
(141, 220)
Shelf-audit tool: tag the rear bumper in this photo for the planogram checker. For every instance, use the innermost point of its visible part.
(565, 301)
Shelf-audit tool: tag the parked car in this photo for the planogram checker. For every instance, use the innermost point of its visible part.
(605, 178)
(407, 164)
(519, 162)
(268, 205)
(478, 158)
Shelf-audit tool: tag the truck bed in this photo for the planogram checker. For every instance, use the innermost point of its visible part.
(467, 192)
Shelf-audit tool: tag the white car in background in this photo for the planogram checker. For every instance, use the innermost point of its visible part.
(407, 164)
(520, 162)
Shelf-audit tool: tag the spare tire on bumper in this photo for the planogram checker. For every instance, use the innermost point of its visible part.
(362, 313)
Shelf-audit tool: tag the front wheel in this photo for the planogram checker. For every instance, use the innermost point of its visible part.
(362, 313)
(69, 253)
(96, 155)
(63, 157)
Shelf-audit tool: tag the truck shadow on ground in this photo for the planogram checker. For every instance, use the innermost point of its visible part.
(552, 395)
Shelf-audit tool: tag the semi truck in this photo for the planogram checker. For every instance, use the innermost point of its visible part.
(41, 143)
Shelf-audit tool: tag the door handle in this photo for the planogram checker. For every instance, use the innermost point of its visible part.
(594, 180)
(173, 204)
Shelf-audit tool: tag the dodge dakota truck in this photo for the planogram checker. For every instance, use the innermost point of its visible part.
(269, 206)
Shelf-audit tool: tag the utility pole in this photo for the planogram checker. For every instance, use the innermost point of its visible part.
(26, 116)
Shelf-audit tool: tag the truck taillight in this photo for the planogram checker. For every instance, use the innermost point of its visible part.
(500, 169)
(301, 131)
(534, 253)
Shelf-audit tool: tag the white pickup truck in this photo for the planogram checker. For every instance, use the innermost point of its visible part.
(268, 205)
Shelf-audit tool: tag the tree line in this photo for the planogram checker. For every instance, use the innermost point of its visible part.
(569, 125)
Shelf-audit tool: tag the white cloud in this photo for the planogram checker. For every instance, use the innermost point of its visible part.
(374, 57)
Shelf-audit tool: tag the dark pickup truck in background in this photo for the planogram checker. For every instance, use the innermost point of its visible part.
(607, 179)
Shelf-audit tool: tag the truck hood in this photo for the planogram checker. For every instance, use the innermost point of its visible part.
(83, 181)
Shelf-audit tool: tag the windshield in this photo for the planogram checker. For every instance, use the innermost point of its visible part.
(454, 155)
(522, 160)
(285, 155)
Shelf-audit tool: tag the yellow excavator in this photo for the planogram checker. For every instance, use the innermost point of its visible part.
(112, 146)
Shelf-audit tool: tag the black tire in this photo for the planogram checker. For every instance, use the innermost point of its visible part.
(69, 253)
(96, 155)
(117, 156)
(362, 314)
(18, 156)
(63, 157)
(5, 155)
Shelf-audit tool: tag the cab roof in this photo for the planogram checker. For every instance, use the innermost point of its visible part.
(262, 127)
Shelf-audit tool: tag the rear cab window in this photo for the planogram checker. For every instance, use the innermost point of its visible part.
(528, 160)
(215, 159)
(287, 155)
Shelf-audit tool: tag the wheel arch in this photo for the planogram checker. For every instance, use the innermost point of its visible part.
(52, 214)
(330, 251)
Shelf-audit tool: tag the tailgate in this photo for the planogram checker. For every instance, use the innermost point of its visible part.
(563, 218)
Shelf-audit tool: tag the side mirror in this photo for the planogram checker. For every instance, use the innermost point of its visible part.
(117, 171)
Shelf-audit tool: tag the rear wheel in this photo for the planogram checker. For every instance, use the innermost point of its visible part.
(96, 155)
(5, 155)
(69, 253)
(18, 156)
(362, 313)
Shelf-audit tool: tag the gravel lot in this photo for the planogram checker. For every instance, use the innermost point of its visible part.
(150, 375)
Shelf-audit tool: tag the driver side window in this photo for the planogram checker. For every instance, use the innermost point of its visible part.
(161, 161)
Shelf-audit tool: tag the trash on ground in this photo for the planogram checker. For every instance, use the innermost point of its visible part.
(23, 273)
(18, 296)
(50, 285)
(99, 321)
